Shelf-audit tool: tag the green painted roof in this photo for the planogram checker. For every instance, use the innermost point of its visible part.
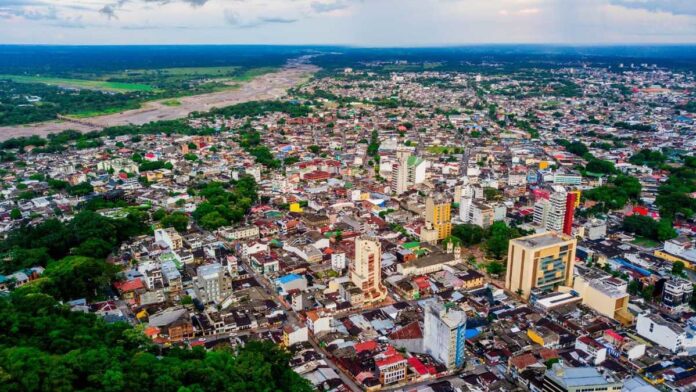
(414, 160)
(590, 174)
(274, 214)
(411, 245)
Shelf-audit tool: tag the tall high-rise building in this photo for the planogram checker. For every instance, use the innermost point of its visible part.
(557, 203)
(417, 168)
(408, 170)
(438, 216)
(556, 213)
(541, 261)
(465, 202)
(400, 171)
(444, 334)
(569, 213)
(399, 182)
(366, 269)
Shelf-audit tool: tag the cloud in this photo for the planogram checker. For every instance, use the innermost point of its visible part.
(196, 3)
(524, 11)
(70, 23)
(109, 11)
(234, 18)
(352, 22)
(324, 6)
(44, 13)
(676, 7)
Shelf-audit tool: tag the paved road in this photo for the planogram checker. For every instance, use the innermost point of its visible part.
(265, 87)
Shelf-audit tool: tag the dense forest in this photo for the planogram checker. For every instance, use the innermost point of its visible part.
(224, 203)
(22, 103)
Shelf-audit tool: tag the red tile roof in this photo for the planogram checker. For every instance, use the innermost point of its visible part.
(410, 331)
(418, 366)
(523, 361)
(370, 345)
(130, 285)
(390, 360)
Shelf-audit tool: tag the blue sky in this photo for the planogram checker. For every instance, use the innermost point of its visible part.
(350, 22)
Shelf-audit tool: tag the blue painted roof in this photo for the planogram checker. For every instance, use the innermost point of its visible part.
(288, 278)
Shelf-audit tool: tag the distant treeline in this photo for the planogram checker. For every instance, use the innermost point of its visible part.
(67, 60)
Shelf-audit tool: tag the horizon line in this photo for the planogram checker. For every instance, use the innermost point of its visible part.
(351, 46)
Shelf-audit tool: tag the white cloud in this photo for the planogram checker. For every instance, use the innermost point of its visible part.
(357, 22)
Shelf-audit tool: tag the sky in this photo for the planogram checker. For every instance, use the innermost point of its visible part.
(371, 23)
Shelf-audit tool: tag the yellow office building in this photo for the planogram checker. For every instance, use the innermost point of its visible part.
(438, 216)
(603, 293)
(540, 261)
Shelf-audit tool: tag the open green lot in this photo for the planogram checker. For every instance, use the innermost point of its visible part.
(171, 102)
(645, 242)
(442, 149)
(80, 83)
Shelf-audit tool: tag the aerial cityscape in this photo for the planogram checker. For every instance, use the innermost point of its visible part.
(372, 213)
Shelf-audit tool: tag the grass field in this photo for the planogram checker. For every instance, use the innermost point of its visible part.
(441, 149)
(80, 83)
(646, 242)
(254, 72)
(95, 113)
(171, 102)
(197, 71)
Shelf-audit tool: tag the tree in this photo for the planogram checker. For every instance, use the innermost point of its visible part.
(314, 149)
(20, 258)
(178, 220)
(469, 234)
(633, 287)
(600, 166)
(494, 268)
(665, 230)
(491, 194)
(647, 227)
(653, 159)
(629, 184)
(647, 292)
(499, 235)
(186, 300)
(94, 247)
(47, 347)
(577, 148)
(159, 214)
(76, 277)
(678, 268)
(81, 189)
(16, 214)
(213, 220)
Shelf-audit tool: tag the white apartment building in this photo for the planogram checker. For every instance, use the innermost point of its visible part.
(444, 334)
(670, 335)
